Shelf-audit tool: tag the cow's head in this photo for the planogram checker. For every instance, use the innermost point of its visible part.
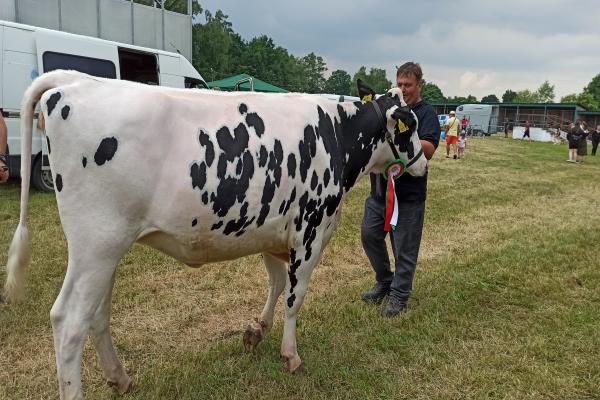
(401, 126)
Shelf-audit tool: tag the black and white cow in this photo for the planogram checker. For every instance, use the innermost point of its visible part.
(203, 176)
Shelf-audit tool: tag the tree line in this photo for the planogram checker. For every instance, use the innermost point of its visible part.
(218, 52)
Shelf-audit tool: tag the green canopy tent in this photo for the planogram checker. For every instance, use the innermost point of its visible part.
(246, 83)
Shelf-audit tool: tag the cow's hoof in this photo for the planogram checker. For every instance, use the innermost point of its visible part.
(255, 332)
(292, 363)
(122, 387)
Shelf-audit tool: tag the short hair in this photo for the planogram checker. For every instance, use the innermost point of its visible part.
(410, 68)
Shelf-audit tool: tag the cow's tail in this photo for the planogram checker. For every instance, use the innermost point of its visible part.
(19, 251)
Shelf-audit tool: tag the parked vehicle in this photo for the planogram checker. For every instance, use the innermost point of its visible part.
(443, 118)
(483, 118)
(28, 51)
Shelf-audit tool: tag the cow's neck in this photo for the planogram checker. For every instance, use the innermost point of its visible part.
(363, 140)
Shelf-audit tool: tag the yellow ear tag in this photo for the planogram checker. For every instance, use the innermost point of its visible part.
(367, 98)
(403, 128)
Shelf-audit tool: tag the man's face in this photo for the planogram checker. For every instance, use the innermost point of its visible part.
(411, 89)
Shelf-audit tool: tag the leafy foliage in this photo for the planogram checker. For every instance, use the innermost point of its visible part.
(490, 98)
(593, 89)
(432, 93)
(376, 79)
(509, 96)
(179, 6)
(585, 99)
(340, 82)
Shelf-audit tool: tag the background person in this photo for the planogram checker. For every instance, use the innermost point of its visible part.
(452, 128)
(464, 122)
(526, 133)
(411, 193)
(582, 148)
(595, 139)
(4, 174)
(462, 144)
(573, 137)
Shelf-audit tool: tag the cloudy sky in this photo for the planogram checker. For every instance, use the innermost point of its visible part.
(476, 47)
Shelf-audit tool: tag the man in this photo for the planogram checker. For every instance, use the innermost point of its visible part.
(451, 128)
(595, 139)
(411, 193)
(3, 150)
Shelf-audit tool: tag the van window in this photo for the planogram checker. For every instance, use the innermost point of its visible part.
(138, 66)
(88, 65)
(193, 83)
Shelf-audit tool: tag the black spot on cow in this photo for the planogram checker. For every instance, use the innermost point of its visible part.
(205, 197)
(52, 100)
(204, 140)
(240, 233)
(198, 175)
(243, 109)
(267, 196)
(291, 165)
(48, 143)
(58, 182)
(232, 189)
(308, 149)
(84, 162)
(256, 122)
(275, 162)
(65, 112)
(319, 189)
(326, 177)
(290, 300)
(289, 203)
(263, 156)
(106, 151)
(194, 222)
(238, 168)
(233, 146)
(314, 181)
(239, 224)
(282, 207)
(216, 226)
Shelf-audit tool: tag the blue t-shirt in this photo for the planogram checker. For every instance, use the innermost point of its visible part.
(411, 188)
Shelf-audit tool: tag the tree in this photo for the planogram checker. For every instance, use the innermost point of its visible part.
(376, 79)
(526, 96)
(314, 67)
(545, 93)
(490, 98)
(593, 88)
(179, 6)
(432, 93)
(509, 96)
(585, 99)
(340, 82)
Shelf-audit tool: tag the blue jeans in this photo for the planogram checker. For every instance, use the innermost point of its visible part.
(405, 239)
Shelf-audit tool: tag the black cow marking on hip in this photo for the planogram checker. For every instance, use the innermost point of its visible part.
(106, 150)
(65, 112)
(51, 103)
(58, 182)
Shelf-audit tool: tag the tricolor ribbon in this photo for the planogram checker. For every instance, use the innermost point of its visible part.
(392, 171)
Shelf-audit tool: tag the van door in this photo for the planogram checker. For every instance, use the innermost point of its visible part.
(60, 50)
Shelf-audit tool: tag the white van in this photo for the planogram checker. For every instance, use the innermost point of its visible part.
(483, 118)
(28, 51)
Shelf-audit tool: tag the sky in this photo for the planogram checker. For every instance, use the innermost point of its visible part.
(464, 46)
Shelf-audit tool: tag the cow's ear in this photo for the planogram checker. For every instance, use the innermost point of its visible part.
(365, 92)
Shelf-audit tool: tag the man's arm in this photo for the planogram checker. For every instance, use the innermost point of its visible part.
(428, 148)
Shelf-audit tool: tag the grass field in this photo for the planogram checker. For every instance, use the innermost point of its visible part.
(506, 303)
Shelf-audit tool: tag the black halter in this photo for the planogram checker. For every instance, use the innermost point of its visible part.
(388, 136)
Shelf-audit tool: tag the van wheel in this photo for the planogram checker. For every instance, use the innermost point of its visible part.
(41, 180)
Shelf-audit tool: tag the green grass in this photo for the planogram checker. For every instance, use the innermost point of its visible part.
(505, 305)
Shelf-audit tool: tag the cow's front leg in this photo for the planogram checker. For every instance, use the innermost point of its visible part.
(256, 330)
(302, 262)
(100, 331)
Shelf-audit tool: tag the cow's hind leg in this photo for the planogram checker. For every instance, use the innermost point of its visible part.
(256, 330)
(88, 281)
(100, 331)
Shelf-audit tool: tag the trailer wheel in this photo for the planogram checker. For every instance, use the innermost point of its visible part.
(40, 179)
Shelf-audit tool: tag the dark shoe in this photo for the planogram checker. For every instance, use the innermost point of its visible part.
(377, 294)
(394, 307)
(454, 157)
